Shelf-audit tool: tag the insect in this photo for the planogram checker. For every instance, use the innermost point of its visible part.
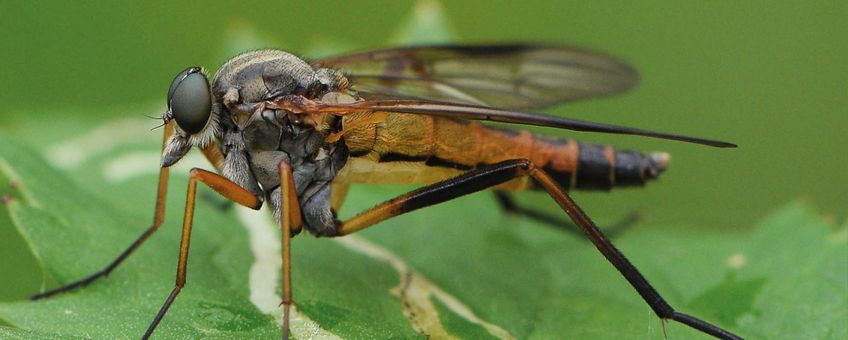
(294, 134)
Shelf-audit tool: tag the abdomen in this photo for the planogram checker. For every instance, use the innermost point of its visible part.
(405, 148)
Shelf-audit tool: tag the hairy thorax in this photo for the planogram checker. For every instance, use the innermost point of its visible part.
(256, 139)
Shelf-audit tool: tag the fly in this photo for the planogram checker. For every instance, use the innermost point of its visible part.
(295, 134)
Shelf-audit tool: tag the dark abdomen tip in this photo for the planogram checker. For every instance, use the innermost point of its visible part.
(633, 168)
(601, 167)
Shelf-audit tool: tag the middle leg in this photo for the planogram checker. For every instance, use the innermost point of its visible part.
(290, 220)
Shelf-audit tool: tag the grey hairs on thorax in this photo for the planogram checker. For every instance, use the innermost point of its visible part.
(253, 155)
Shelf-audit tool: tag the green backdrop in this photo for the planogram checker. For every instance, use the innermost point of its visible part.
(769, 76)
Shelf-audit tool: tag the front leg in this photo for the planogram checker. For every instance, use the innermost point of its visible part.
(226, 188)
(158, 218)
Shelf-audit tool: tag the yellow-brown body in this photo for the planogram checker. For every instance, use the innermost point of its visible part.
(407, 148)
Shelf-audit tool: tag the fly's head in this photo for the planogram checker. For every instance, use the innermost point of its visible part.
(190, 107)
(237, 97)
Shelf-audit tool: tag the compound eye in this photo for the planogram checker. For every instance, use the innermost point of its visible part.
(190, 100)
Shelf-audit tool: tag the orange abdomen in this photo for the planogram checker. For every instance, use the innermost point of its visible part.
(406, 148)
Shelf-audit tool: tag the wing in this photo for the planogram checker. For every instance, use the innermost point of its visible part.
(507, 76)
(473, 112)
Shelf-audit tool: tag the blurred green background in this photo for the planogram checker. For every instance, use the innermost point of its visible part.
(770, 76)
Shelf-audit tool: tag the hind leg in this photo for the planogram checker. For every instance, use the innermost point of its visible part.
(509, 205)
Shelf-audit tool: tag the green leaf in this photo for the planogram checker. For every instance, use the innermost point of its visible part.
(787, 278)
(460, 269)
(74, 233)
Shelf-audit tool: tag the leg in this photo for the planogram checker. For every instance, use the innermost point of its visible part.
(508, 204)
(614, 256)
(489, 176)
(224, 187)
(214, 156)
(289, 219)
(158, 217)
(338, 195)
(216, 159)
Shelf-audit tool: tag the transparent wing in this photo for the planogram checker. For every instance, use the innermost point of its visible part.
(475, 112)
(506, 76)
